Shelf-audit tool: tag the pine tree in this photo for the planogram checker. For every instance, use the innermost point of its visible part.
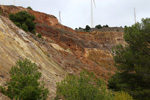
(24, 84)
(133, 62)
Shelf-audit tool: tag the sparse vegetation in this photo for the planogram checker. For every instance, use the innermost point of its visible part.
(24, 83)
(83, 87)
(97, 57)
(88, 28)
(24, 20)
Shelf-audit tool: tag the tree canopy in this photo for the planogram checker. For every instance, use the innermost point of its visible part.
(29, 8)
(83, 87)
(98, 26)
(24, 20)
(24, 83)
(133, 62)
(105, 26)
(87, 28)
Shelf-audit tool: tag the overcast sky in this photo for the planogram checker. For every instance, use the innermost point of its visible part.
(77, 13)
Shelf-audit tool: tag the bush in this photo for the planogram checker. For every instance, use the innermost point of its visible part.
(80, 28)
(98, 26)
(105, 26)
(83, 87)
(29, 8)
(122, 96)
(87, 28)
(24, 84)
(39, 35)
(24, 20)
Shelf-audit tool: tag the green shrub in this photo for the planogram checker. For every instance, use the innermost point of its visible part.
(105, 26)
(39, 35)
(122, 96)
(24, 83)
(24, 20)
(87, 28)
(98, 26)
(83, 87)
(80, 28)
(29, 8)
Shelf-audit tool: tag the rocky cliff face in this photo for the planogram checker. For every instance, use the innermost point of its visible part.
(16, 44)
(61, 50)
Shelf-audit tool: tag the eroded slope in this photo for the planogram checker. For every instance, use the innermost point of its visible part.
(16, 44)
(61, 50)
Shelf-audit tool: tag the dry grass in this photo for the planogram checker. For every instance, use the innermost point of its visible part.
(102, 58)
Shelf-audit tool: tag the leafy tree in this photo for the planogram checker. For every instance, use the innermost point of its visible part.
(105, 25)
(24, 84)
(29, 8)
(133, 62)
(87, 28)
(125, 26)
(83, 87)
(24, 20)
(122, 96)
(98, 26)
(80, 28)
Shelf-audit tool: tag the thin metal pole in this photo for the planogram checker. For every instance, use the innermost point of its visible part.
(59, 16)
(91, 14)
(134, 15)
(14, 2)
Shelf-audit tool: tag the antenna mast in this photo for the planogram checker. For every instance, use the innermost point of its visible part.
(14, 2)
(91, 14)
(135, 15)
(60, 17)
(92, 3)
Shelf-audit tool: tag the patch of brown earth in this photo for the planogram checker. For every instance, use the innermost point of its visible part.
(3, 97)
